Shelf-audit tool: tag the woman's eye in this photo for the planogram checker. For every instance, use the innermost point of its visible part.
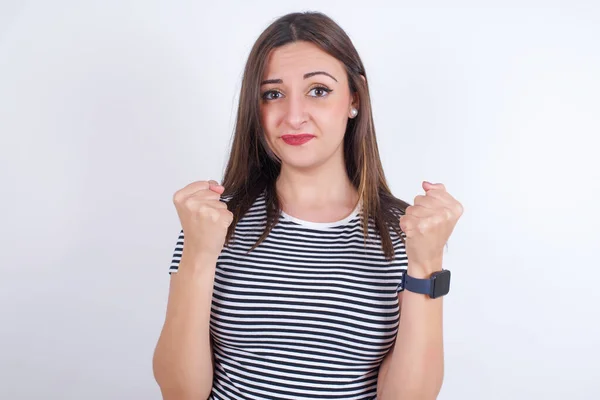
(271, 95)
(319, 91)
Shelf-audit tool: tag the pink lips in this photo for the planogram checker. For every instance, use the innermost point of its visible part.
(297, 140)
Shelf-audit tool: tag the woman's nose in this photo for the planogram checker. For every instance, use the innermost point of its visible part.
(296, 113)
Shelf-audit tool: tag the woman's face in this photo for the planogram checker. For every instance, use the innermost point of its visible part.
(305, 91)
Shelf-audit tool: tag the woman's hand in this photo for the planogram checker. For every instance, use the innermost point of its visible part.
(204, 218)
(427, 225)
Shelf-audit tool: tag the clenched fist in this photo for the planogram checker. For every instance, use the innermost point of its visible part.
(204, 218)
(428, 224)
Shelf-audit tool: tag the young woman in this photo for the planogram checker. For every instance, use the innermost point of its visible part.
(294, 270)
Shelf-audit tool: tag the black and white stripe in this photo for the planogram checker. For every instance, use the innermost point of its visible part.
(308, 314)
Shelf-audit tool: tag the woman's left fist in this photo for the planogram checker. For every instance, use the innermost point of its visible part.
(427, 225)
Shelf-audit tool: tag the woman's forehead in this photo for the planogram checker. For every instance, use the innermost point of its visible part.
(296, 59)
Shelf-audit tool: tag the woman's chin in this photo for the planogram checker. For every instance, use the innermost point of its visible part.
(303, 163)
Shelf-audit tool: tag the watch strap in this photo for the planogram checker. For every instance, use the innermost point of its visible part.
(417, 285)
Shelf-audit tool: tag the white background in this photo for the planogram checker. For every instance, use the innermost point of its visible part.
(108, 107)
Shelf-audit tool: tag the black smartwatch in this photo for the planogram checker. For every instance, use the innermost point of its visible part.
(437, 285)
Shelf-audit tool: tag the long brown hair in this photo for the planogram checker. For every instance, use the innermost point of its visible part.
(253, 168)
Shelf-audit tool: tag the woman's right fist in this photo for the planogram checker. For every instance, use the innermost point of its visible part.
(204, 217)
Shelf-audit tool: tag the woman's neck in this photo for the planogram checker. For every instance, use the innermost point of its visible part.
(327, 192)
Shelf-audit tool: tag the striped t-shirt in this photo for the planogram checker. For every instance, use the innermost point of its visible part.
(309, 314)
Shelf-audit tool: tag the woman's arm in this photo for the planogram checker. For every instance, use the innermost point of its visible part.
(183, 359)
(414, 368)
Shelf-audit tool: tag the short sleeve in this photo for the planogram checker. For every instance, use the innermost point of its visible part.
(400, 287)
(177, 254)
(401, 261)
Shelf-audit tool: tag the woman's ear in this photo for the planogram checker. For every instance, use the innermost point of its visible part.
(355, 103)
(355, 100)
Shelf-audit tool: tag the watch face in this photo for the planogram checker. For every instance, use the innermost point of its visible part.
(441, 285)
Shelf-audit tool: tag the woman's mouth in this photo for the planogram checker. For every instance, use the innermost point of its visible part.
(297, 140)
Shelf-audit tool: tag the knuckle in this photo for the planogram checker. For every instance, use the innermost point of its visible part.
(207, 212)
(441, 218)
(448, 214)
(405, 223)
(189, 204)
(203, 209)
(459, 208)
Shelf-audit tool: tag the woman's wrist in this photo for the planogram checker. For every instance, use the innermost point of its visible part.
(424, 271)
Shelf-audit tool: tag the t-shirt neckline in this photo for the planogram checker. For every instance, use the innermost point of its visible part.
(322, 225)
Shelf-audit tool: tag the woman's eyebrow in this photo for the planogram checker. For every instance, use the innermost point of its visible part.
(306, 76)
(271, 81)
(319, 73)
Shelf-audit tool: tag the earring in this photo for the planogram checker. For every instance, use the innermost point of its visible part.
(353, 112)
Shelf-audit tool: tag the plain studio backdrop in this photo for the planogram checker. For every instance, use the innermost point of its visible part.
(108, 107)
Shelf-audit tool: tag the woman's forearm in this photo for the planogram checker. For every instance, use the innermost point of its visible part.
(183, 364)
(416, 367)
